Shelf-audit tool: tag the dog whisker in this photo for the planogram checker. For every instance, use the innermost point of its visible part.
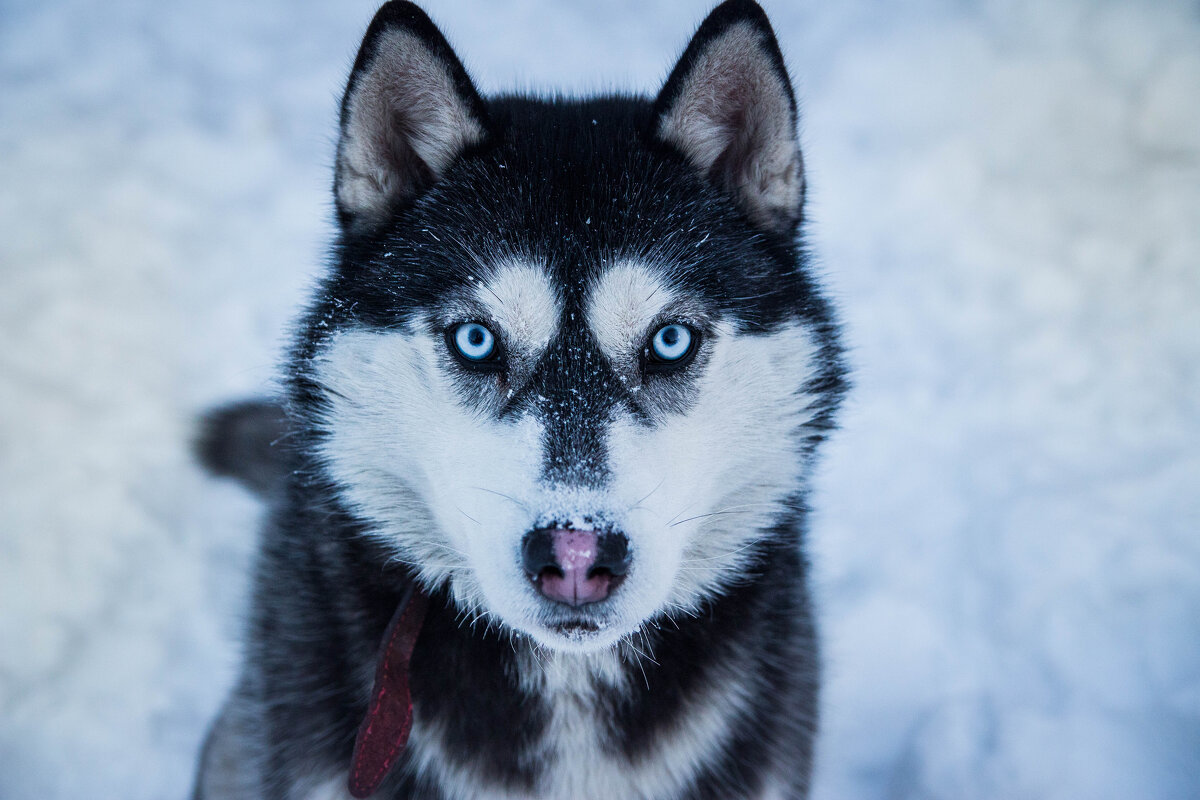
(468, 516)
(638, 504)
(442, 546)
(421, 565)
(682, 511)
(508, 497)
(718, 556)
(741, 509)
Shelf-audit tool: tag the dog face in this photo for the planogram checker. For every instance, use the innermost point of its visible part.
(568, 363)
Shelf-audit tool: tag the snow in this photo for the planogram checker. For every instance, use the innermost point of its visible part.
(1006, 200)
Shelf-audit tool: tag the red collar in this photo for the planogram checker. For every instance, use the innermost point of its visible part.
(384, 731)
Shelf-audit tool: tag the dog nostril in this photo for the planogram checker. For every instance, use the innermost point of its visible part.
(537, 554)
(612, 557)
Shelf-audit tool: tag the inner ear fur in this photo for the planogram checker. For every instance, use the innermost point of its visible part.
(409, 111)
(728, 108)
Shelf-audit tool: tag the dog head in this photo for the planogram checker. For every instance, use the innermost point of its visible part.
(569, 361)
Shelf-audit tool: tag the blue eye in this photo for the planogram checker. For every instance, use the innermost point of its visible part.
(474, 342)
(672, 343)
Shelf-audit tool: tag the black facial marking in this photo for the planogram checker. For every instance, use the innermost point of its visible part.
(573, 393)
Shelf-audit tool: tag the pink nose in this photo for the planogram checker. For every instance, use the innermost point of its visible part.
(575, 567)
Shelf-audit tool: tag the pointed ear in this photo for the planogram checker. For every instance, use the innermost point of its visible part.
(728, 108)
(409, 111)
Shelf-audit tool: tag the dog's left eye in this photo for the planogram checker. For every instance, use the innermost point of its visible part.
(474, 343)
(671, 346)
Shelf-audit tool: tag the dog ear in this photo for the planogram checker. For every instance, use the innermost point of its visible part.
(409, 111)
(728, 108)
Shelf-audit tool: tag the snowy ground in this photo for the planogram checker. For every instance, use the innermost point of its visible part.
(1006, 197)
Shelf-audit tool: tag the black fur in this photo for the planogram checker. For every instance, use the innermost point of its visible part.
(246, 441)
(575, 182)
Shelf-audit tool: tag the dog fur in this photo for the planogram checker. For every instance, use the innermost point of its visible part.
(572, 230)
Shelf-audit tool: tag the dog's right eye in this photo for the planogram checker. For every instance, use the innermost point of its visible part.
(473, 344)
(671, 347)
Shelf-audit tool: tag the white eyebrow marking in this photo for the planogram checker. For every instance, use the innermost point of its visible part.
(623, 303)
(522, 301)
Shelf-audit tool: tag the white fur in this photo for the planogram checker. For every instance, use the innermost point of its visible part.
(579, 766)
(428, 757)
(699, 485)
(572, 741)
(776, 790)
(714, 476)
(521, 302)
(574, 758)
(453, 491)
(334, 788)
(622, 305)
(450, 490)
(426, 470)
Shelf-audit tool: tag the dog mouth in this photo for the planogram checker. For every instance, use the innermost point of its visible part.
(581, 624)
(576, 628)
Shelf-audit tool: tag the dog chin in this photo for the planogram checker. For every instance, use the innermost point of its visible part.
(583, 634)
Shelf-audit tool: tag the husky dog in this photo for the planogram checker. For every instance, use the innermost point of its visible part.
(538, 516)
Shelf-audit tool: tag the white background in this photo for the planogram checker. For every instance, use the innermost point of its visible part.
(1005, 198)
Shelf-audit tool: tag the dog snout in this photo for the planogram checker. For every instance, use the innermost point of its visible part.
(575, 567)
